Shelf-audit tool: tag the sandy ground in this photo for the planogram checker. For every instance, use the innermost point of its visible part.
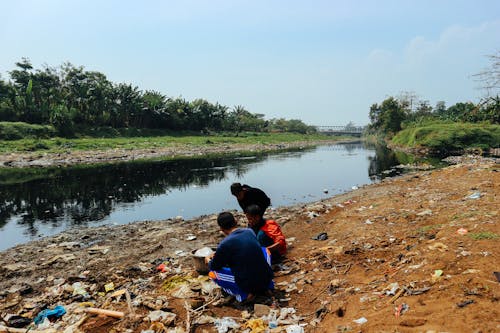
(416, 253)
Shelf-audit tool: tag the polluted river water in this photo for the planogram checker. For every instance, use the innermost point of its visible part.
(64, 198)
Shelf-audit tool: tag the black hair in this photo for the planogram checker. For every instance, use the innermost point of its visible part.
(253, 210)
(226, 220)
(235, 188)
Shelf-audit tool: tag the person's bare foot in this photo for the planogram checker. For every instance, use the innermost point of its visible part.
(250, 298)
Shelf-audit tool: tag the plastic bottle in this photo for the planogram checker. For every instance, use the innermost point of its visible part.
(273, 321)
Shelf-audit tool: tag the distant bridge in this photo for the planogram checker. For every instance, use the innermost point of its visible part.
(341, 130)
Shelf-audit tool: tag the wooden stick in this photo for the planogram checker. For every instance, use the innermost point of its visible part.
(399, 293)
(321, 292)
(205, 305)
(109, 313)
(188, 317)
(129, 303)
(395, 271)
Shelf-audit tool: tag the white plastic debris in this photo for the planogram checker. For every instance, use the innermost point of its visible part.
(295, 329)
(393, 287)
(475, 195)
(224, 324)
(203, 252)
(360, 321)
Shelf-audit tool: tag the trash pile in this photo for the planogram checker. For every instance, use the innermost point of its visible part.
(415, 252)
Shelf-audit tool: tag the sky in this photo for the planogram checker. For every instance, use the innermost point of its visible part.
(324, 62)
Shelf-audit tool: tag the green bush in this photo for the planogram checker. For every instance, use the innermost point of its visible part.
(19, 130)
(36, 145)
(449, 136)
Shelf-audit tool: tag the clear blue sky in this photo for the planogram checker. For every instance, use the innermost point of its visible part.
(324, 62)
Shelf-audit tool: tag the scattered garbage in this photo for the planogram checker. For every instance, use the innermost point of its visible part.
(360, 321)
(255, 325)
(294, 329)
(475, 195)
(109, 287)
(438, 246)
(312, 215)
(321, 236)
(392, 289)
(225, 323)
(166, 318)
(400, 309)
(50, 314)
(412, 292)
(437, 274)
(465, 303)
(162, 268)
(79, 289)
(273, 320)
(471, 271)
(98, 249)
(18, 321)
(425, 212)
(386, 253)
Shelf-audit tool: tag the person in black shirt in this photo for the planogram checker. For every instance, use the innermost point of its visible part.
(248, 196)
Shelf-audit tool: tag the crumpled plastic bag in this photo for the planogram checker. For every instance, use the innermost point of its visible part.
(224, 324)
(256, 325)
(295, 329)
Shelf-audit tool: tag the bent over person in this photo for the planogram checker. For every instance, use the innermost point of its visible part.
(268, 232)
(240, 265)
(247, 195)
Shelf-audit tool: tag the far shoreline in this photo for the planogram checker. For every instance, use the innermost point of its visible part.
(119, 155)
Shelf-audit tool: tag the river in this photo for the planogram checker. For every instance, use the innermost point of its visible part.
(42, 202)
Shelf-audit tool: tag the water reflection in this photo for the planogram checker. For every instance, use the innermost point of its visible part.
(384, 161)
(83, 194)
(47, 201)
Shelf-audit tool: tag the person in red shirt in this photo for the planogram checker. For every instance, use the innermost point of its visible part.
(268, 232)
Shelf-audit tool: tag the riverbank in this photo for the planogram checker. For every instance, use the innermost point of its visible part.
(440, 138)
(167, 149)
(423, 246)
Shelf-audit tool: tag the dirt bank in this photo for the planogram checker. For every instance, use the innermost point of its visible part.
(412, 254)
(72, 157)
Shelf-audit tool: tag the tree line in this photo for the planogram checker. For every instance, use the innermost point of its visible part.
(71, 98)
(396, 112)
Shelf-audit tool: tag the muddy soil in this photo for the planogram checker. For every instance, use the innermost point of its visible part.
(72, 157)
(416, 253)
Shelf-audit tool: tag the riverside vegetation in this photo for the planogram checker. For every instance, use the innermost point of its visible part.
(408, 122)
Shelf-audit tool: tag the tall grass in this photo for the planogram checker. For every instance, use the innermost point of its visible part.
(151, 142)
(449, 136)
(20, 130)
